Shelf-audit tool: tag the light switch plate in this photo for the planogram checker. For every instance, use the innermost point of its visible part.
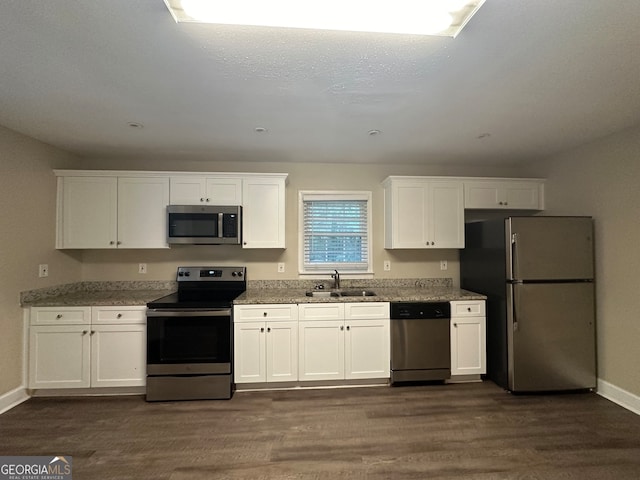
(443, 265)
(281, 267)
(387, 265)
(142, 268)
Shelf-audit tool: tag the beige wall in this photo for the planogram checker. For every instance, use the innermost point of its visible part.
(262, 264)
(602, 179)
(27, 196)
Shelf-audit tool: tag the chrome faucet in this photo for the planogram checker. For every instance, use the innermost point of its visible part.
(336, 280)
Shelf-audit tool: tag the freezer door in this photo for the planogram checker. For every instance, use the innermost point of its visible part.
(549, 248)
(551, 337)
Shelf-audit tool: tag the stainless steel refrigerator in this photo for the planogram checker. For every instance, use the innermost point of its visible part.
(537, 273)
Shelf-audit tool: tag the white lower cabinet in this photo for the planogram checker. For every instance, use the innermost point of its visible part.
(468, 338)
(344, 341)
(74, 347)
(265, 343)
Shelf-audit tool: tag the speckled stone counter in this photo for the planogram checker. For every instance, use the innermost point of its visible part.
(258, 291)
(97, 294)
(401, 294)
(386, 290)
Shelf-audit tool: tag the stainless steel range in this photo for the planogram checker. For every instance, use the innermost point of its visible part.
(189, 335)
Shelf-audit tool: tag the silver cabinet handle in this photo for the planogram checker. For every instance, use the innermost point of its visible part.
(268, 329)
(92, 332)
(348, 328)
(202, 199)
(59, 316)
(341, 327)
(455, 325)
(264, 314)
(84, 332)
(112, 242)
(262, 330)
(119, 315)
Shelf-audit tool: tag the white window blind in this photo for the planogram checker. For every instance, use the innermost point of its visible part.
(335, 232)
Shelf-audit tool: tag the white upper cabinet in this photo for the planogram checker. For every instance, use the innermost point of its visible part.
(423, 212)
(112, 212)
(514, 194)
(87, 212)
(142, 212)
(196, 190)
(263, 212)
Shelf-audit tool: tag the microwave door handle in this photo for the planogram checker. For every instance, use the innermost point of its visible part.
(220, 223)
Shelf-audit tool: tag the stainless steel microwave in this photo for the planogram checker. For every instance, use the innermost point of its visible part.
(204, 224)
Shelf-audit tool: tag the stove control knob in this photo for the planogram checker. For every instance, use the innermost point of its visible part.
(240, 273)
(187, 274)
(181, 274)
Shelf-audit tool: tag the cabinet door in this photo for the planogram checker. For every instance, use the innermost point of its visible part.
(282, 351)
(118, 355)
(59, 356)
(446, 220)
(224, 191)
(263, 210)
(523, 195)
(187, 190)
(249, 356)
(468, 352)
(142, 212)
(479, 194)
(87, 212)
(367, 349)
(321, 351)
(409, 215)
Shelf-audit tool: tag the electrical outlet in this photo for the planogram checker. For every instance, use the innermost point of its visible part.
(142, 268)
(281, 267)
(387, 265)
(43, 270)
(443, 264)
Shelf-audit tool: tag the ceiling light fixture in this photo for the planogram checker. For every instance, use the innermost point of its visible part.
(417, 17)
(373, 133)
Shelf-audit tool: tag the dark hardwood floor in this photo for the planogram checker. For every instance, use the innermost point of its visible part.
(471, 431)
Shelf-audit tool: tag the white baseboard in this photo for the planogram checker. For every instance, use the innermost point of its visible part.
(617, 395)
(13, 398)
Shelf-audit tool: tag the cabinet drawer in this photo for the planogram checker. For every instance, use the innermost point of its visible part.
(268, 312)
(370, 310)
(321, 311)
(60, 316)
(467, 308)
(118, 315)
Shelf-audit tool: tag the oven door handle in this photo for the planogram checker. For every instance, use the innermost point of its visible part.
(189, 313)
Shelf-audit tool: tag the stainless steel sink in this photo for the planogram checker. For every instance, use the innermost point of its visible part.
(322, 293)
(357, 293)
(341, 293)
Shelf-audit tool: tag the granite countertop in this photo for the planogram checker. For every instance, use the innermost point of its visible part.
(97, 294)
(258, 292)
(383, 294)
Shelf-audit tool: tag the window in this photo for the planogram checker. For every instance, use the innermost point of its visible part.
(335, 232)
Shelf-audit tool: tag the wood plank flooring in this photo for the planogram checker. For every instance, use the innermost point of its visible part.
(468, 431)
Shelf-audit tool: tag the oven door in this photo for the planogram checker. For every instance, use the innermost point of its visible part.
(188, 342)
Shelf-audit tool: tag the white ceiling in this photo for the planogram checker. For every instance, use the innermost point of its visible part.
(539, 76)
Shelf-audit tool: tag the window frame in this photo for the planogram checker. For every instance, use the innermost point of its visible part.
(334, 195)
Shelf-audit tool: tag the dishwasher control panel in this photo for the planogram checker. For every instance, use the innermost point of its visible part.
(418, 310)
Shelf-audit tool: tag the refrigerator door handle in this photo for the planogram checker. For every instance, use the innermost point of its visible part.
(514, 256)
(514, 305)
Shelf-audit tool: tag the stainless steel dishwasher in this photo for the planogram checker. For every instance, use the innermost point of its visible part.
(420, 341)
